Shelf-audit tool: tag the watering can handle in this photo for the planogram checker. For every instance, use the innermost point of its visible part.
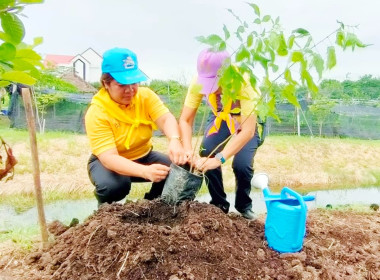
(299, 197)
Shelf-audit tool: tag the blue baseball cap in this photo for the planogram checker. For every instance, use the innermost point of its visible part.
(122, 65)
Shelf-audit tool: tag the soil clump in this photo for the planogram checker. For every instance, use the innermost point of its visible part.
(152, 240)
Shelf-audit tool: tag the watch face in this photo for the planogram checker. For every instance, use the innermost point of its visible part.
(220, 157)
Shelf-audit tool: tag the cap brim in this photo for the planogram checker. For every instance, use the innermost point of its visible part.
(129, 77)
(209, 85)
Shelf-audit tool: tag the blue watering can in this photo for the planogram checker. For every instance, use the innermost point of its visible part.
(285, 225)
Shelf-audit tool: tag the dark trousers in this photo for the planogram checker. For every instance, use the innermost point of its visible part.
(242, 166)
(111, 186)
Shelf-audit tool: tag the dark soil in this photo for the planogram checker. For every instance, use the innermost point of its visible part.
(151, 240)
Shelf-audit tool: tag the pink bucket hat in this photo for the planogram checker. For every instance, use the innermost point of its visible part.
(208, 64)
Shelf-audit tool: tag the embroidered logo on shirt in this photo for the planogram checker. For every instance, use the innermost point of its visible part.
(129, 63)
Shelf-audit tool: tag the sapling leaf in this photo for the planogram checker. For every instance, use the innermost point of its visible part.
(302, 32)
(289, 92)
(235, 110)
(249, 40)
(340, 38)
(266, 18)
(331, 57)
(226, 32)
(255, 8)
(242, 54)
(318, 64)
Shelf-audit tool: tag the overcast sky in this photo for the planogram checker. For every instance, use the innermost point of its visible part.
(162, 32)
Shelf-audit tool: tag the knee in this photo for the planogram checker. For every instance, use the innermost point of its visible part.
(111, 191)
(242, 168)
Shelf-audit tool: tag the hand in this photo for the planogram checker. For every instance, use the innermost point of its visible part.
(155, 172)
(203, 164)
(176, 152)
(191, 158)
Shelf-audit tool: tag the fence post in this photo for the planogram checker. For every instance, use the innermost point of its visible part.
(36, 168)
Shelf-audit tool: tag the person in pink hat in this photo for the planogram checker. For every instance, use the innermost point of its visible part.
(222, 123)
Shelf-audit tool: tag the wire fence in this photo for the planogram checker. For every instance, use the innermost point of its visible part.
(356, 119)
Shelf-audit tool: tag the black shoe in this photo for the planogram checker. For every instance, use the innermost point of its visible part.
(248, 214)
(224, 208)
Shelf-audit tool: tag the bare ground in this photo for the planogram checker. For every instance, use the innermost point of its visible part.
(151, 240)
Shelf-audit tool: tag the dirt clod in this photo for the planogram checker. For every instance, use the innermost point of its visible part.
(151, 240)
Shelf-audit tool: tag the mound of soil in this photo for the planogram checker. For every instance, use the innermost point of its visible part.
(151, 240)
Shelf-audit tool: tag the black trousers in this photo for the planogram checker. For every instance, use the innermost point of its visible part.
(242, 166)
(111, 186)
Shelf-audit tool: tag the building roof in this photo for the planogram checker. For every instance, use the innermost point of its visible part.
(54, 59)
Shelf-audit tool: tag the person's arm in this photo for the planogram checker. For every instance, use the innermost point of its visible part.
(246, 133)
(113, 161)
(186, 121)
(169, 126)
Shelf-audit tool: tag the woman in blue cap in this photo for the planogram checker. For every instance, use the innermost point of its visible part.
(120, 123)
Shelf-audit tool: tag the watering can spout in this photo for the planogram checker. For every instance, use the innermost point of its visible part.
(260, 181)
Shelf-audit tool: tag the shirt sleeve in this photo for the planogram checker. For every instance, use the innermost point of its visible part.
(251, 97)
(155, 106)
(193, 97)
(99, 131)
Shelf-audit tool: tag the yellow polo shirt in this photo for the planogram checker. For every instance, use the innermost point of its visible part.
(249, 97)
(105, 131)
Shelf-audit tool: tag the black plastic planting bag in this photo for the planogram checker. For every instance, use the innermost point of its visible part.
(180, 185)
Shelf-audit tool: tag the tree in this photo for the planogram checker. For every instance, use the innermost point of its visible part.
(263, 44)
(19, 63)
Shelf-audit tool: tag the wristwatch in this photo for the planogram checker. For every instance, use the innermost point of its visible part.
(220, 157)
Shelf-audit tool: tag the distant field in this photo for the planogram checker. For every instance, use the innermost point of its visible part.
(302, 163)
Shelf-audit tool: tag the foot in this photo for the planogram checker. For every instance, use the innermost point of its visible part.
(248, 214)
(224, 208)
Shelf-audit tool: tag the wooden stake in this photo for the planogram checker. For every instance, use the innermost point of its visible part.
(26, 96)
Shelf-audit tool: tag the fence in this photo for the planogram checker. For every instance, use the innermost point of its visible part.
(357, 119)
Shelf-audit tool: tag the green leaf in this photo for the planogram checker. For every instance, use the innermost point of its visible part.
(37, 41)
(255, 8)
(318, 64)
(240, 29)
(6, 3)
(305, 75)
(289, 92)
(212, 39)
(4, 83)
(266, 18)
(339, 38)
(291, 41)
(28, 53)
(31, 1)
(226, 32)
(242, 54)
(249, 40)
(18, 77)
(282, 49)
(236, 110)
(331, 57)
(7, 51)
(297, 56)
(26, 66)
(257, 21)
(13, 27)
(302, 32)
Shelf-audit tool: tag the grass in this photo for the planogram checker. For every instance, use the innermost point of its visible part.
(302, 163)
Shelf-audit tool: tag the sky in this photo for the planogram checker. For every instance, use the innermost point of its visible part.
(162, 32)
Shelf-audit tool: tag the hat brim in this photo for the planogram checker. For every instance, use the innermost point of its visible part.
(129, 77)
(209, 85)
